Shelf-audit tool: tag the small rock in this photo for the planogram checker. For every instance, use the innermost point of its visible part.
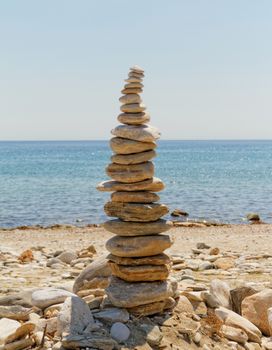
(202, 245)
(67, 257)
(179, 212)
(235, 334)
(154, 336)
(7, 328)
(113, 315)
(214, 251)
(220, 291)
(42, 298)
(238, 295)
(253, 217)
(197, 338)
(15, 312)
(120, 332)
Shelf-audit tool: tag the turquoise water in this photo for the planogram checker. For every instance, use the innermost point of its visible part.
(54, 182)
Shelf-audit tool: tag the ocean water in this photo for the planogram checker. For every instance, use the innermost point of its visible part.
(55, 182)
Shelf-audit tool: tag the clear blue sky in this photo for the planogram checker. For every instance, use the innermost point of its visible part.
(208, 67)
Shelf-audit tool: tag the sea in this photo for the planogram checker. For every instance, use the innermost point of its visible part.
(54, 182)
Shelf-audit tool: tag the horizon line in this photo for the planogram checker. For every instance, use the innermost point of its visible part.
(91, 140)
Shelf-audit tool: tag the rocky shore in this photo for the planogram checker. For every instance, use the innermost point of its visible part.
(223, 274)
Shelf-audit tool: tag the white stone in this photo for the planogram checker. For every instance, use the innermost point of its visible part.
(43, 298)
(7, 328)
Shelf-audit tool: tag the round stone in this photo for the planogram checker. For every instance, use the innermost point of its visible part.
(128, 295)
(120, 332)
(140, 273)
(131, 91)
(123, 228)
(153, 185)
(120, 145)
(134, 197)
(159, 259)
(131, 247)
(137, 69)
(143, 133)
(130, 173)
(130, 98)
(134, 118)
(133, 108)
(135, 158)
(133, 85)
(136, 212)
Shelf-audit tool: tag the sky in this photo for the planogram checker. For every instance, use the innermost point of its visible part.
(208, 67)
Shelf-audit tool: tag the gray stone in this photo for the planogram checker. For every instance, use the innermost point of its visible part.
(113, 315)
(220, 290)
(45, 297)
(120, 332)
(67, 257)
(15, 312)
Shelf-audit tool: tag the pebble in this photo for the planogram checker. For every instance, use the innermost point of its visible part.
(120, 332)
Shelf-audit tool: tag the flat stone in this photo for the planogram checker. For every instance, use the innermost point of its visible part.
(133, 118)
(133, 108)
(120, 332)
(15, 312)
(45, 297)
(134, 197)
(130, 98)
(131, 91)
(138, 212)
(91, 341)
(138, 246)
(113, 315)
(74, 316)
(130, 173)
(97, 269)
(140, 273)
(127, 295)
(143, 133)
(148, 309)
(133, 80)
(125, 146)
(234, 334)
(133, 85)
(153, 185)
(7, 328)
(133, 73)
(136, 69)
(134, 158)
(160, 259)
(123, 228)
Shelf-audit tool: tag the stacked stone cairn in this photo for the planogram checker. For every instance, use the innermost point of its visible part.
(140, 270)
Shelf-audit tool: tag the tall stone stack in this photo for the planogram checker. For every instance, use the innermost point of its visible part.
(140, 269)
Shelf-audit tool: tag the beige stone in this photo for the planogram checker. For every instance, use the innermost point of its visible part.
(132, 91)
(147, 309)
(133, 108)
(125, 294)
(125, 146)
(224, 263)
(237, 295)
(234, 334)
(130, 98)
(140, 273)
(254, 308)
(123, 228)
(136, 69)
(138, 212)
(184, 305)
(134, 197)
(136, 74)
(134, 158)
(138, 246)
(143, 133)
(134, 118)
(154, 185)
(134, 80)
(159, 259)
(128, 173)
(133, 85)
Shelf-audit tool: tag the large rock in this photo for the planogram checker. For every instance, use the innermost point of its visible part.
(130, 173)
(45, 297)
(220, 290)
(160, 259)
(128, 295)
(234, 334)
(130, 98)
(138, 212)
(141, 272)
(134, 118)
(133, 108)
(143, 133)
(138, 246)
(232, 319)
(99, 268)
(153, 185)
(74, 316)
(134, 197)
(238, 295)
(126, 146)
(123, 228)
(134, 158)
(254, 308)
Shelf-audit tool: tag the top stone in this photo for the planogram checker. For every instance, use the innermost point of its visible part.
(137, 69)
